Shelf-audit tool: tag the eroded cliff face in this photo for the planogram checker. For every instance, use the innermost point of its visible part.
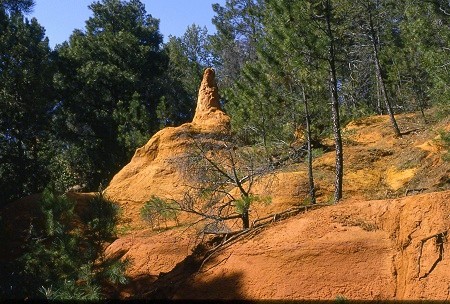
(360, 250)
(386, 240)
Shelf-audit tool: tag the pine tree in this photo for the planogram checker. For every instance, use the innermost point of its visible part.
(17, 6)
(239, 27)
(422, 63)
(109, 86)
(188, 56)
(303, 39)
(332, 59)
(367, 24)
(26, 99)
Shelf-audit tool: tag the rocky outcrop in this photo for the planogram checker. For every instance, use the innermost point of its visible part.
(383, 241)
(208, 114)
(155, 169)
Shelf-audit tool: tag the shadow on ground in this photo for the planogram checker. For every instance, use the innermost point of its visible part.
(180, 283)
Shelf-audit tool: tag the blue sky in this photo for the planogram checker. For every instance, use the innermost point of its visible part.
(61, 17)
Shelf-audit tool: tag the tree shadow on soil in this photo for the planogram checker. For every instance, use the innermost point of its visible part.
(226, 287)
(178, 283)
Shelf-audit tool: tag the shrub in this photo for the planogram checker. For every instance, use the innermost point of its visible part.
(63, 259)
(101, 218)
(445, 139)
(157, 210)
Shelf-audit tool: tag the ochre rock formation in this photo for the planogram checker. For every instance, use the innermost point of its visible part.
(386, 240)
(390, 248)
(155, 167)
(208, 112)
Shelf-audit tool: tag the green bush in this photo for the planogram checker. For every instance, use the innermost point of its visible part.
(445, 139)
(157, 210)
(340, 299)
(101, 218)
(63, 259)
(243, 204)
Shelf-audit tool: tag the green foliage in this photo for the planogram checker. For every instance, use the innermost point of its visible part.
(70, 290)
(108, 80)
(100, 218)
(57, 211)
(411, 41)
(421, 60)
(317, 152)
(157, 210)
(445, 139)
(114, 272)
(67, 167)
(26, 99)
(340, 299)
(239, 28)
(17, 6)
(267, 102)
(443, 110)
(62, 260)
(132, 118)
(244, 203)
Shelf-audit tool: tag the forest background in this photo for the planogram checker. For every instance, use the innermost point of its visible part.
(73, 115)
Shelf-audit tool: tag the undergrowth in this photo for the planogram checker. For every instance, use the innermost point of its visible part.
(157, 211)
(62, 256)
(445, 140)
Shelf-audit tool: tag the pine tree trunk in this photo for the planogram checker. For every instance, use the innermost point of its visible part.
(339, 173)
(245, 220)
(379, 108)
(312, 189)
(380, 77)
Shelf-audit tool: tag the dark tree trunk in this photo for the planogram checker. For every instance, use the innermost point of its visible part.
(379, 107)
(312, 189)
(335, 108)
(245, 220)
(380, 76)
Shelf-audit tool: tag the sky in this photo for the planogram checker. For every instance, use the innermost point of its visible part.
(61, 17)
